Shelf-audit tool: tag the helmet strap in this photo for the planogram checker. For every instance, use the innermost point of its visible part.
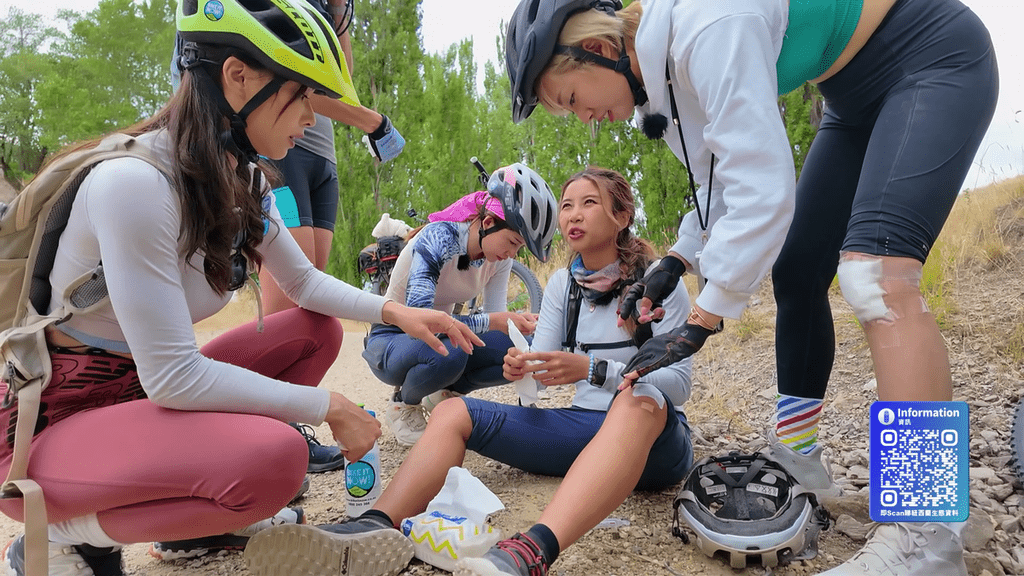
(622, 66)
(234, 139)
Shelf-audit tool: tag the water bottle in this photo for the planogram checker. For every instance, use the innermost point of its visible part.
(362, 481)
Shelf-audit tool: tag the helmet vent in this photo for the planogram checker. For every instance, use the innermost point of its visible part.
(534, 6)
(190, 7)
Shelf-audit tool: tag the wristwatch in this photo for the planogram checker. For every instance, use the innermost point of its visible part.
(600, 373)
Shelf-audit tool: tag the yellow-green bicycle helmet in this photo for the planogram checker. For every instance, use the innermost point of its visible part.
(289, 37)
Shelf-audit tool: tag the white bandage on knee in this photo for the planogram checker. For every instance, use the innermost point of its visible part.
(645, 390)
(81, 530)
(861, 282)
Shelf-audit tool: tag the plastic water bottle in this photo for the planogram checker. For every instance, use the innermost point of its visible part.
(362, 481)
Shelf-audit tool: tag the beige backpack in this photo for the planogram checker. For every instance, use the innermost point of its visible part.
(30, 228)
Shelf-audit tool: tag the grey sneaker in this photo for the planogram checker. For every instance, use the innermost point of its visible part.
(515, 556)
(907, 549)
(362, 547)
(812, 471)
(66, 560)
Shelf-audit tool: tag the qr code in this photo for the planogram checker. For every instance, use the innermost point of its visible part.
(919, 461)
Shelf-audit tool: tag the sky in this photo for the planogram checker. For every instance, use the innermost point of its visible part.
(446, 22)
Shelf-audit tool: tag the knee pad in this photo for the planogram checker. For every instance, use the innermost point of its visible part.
(866, 283)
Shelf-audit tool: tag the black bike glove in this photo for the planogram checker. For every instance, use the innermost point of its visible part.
(668, 348)
(656, 285)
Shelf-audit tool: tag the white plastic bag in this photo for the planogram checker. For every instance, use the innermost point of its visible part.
(454, 525)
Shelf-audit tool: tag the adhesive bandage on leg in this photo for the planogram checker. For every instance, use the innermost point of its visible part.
(881, 289)
(861, 282)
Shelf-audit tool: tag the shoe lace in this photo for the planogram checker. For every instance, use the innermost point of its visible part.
(901, 549)
(525, 552)
(413, 417)
(308, 433)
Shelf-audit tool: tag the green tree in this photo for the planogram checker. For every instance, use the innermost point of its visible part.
(801, 112)
(109, 71)
(22, 36)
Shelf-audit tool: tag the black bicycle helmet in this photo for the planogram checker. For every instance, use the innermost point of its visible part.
(529, 206)
(532, 40)
(747, 507)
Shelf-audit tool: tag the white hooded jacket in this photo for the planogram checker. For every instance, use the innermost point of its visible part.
(721, 58)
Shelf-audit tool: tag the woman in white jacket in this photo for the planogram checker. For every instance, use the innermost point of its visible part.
(910, 87)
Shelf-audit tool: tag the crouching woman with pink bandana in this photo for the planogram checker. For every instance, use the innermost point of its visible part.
(465, 250)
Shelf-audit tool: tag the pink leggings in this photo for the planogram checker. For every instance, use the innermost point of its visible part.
(152, 473)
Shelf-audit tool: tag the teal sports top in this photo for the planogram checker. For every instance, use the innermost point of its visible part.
(817, 33)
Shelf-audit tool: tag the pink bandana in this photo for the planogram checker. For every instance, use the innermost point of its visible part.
(465, 208)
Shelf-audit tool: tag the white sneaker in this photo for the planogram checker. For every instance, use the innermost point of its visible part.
(406, 421)
(907, 549)
(812, 471)
(431, 401)
(64, 559)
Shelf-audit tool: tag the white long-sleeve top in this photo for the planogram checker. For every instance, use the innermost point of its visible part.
(722, 62)
(127, 215)
(598, 325)
(426, 275)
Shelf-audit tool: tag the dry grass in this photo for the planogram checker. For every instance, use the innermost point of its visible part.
(981, 228)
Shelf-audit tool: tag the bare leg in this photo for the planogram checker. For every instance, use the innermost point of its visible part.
(909, 354)
(322, 239)
(422, 474)
(274, 299)
(607, 470)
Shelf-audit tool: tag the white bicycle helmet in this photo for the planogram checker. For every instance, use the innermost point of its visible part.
(748, 508)
(529, 206)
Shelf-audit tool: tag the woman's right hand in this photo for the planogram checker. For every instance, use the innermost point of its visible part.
(353, 428)
(514, 367)
(526, 323)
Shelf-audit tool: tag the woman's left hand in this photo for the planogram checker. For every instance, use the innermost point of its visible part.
(424, 324)
(556, 368)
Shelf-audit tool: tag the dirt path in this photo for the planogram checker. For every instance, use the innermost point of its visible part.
(731, 405)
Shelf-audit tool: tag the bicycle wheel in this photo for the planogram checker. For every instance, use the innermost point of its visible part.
(524, 290)
(1017, 441)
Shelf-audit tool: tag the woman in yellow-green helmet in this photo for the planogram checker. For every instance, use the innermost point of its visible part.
(142, 435)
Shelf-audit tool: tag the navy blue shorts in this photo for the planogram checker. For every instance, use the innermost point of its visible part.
(548, 440)
(309, 196)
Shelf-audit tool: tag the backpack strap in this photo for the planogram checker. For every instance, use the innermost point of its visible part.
(643, 332)
(572, 314)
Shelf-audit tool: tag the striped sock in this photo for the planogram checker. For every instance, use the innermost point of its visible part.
(796, 422)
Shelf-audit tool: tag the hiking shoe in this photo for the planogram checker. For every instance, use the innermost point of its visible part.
(66, 559)
(321, 458)
(812, 471)
(195, 547)
(299, 549)
(407, 421)
(907, 549)
(303, 488)
(432, 400)
(515, 556)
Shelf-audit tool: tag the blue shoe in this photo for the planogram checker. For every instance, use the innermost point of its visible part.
(321, 458)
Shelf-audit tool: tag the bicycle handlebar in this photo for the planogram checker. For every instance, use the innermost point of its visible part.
(484, 174)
